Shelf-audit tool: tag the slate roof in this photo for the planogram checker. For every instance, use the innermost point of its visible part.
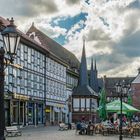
(110, 83)
(84, 90)
(83, 79)
(27, 40)
(55, 48)
(23, 36)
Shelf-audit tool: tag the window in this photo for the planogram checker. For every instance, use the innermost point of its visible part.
(10, 79)
(25, 48)
(29, 92)
(29, 55)
(87, 104)
(76, 104)
(21, 52)
(29, 76)
(29, 83)
(25, 82)
(18, 89)
(22, 91)
(25, 75)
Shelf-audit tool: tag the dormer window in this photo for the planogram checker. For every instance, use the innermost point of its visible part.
(34, 37)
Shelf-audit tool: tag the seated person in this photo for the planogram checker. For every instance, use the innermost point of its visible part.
(83, 128)
(78, 126)
(90, 128)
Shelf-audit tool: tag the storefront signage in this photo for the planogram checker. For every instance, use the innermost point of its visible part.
(48, 110)
(55, 104)
(21, 97)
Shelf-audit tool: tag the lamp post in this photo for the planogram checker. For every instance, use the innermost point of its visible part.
(11, 40)
(121, 89)
(69, 108)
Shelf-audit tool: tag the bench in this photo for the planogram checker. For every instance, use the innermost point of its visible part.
(13, 131)
(63, 126)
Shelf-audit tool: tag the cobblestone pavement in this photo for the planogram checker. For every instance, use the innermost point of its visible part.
(52, 133)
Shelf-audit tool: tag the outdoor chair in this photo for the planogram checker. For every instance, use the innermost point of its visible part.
(90, 129)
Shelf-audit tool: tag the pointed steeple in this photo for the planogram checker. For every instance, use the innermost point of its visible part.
(93, 77)
(91, 80)
(95, 68)
(83, 68)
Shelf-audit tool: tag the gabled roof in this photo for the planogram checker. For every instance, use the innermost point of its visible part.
(110, 83)
(54, 47)
(4, 21)
(136, 80)
(84, 90)
(23, 36)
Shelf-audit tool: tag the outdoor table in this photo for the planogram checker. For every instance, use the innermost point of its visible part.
(136, 131)
(108, 130)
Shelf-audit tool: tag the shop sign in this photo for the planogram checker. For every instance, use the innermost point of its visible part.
(60, 105)
(21, 97)
(48, 110)
(54, 104)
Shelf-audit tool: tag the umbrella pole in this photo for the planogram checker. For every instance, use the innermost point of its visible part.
(120, 138)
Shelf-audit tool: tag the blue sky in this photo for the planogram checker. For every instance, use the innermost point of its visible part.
(68, 23)
(111, 29)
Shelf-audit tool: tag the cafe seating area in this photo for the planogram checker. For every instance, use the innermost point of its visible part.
(107, 129)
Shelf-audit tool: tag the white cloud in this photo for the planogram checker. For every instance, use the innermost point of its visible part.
(111, 29)
(104, 37)
(129, 69)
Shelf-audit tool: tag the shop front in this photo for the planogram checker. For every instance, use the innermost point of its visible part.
(23, 110)
(55, 113)
(48, 111)
(18, 109)
(35, 113)
(39, 113)
(31, 113)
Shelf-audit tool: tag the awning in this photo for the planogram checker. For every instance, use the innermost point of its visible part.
(56, 109)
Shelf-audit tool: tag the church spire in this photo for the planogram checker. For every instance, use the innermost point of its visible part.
(83, 68)
(91, 80)
(95, 68)
(93, 77)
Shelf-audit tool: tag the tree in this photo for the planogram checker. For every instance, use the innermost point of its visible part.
(102, 105)
(129, 101)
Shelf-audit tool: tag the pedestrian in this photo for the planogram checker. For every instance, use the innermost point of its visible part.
(136, 118)
(69, 126)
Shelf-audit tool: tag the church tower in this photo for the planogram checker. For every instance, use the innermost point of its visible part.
(84, 98)
(93, 81)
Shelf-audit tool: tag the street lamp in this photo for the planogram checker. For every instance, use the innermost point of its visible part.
(121, 89)
(11, 40)
(68, 101)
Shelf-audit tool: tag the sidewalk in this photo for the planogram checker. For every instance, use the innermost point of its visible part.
(52, 133)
